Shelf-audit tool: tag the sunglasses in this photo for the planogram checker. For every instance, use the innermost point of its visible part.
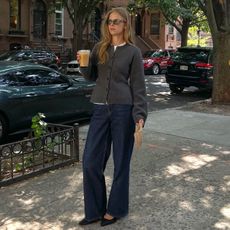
(115, 21)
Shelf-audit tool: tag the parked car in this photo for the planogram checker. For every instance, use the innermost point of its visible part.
(72, 67)
(190, 66)
(43, 57)
(155, 61)
(27, 89)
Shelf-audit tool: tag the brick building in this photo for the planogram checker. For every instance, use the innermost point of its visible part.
(28, 23)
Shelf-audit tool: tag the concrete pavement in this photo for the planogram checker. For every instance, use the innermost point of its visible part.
(180, 180)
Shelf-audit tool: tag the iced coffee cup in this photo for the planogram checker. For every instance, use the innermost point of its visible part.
(84, 57)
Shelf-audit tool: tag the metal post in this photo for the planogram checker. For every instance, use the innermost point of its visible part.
(76, 151)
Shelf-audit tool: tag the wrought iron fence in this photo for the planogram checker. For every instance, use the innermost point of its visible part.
(22, 159)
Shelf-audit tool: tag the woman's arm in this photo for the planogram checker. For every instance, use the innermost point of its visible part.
(137, 83)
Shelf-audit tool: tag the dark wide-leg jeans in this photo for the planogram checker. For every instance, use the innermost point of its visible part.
(110, 124)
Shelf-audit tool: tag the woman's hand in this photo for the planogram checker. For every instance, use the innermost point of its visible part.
(78, 57)
(141, 123)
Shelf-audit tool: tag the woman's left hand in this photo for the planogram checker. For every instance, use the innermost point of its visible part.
(141, 123)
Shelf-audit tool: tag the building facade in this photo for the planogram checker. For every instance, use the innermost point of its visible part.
(28, 23)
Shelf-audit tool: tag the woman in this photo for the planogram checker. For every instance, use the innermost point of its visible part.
(119, 99)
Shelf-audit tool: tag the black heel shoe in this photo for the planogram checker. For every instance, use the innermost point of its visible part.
(105, 222)
(86, 222)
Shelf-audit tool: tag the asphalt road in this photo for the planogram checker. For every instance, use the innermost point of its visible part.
(159, 96)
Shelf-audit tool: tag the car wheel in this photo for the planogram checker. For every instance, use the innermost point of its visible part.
(156, 69)
(176, 88)
(3, 129)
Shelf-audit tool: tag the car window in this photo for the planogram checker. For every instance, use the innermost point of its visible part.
(9, 79)
(25, 55)
(42, 77)
(192, 55)
(8, 55)
(158, 54)
(171, 52)
(147, 54)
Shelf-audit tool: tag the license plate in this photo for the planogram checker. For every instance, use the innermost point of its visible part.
(183, 67)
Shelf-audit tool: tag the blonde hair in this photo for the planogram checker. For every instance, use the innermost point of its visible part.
(106, 36)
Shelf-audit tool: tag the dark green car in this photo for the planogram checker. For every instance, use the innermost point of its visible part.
(27, 89)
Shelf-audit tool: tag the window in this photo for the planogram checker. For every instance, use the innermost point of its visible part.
(155, 24)
(59, 20)
(42, 77)
(39, 19)
(8, 79)
(170, 29)
(15, 14)
(160, 53)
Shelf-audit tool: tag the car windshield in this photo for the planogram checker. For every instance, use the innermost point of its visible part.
(11, 55)
(158, 54)
(6, 55)
(148, 54)
(191, 55)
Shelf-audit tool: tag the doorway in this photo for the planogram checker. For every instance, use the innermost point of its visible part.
(138, 25)
(39, 20)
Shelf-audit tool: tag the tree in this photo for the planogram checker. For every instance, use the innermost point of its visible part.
(80, 13)
(182, 14)
(218, 15)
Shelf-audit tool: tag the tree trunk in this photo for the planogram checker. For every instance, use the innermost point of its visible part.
(218, 14)
(74, 42)
(184, 32)
(221, 84)
(77, 35)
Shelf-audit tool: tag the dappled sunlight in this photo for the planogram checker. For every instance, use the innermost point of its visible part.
(225, 211)
(29, 204)
(189, 162)
(219, 148)
(108, 180)
(225, 152)
(187, 148)
(186, 205)
(159, 99)
(159, 94)
(159, 83)
(208, 146)
(209, 189)
(224, 223)
(78, 179)
(227, 179)
(198, 160)
(148, 195)
(226, 188)
(206, 201)
(191, 179)
(164, 93)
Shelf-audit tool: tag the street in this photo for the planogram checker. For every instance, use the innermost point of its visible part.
(159, 96)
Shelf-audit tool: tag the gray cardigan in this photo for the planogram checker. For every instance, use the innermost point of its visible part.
(120, 80)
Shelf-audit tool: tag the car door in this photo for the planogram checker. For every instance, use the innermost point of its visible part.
(82, 90)
(47, 92)
(10, 99)
(164, 59)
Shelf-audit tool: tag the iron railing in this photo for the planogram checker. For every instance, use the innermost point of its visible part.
(22, 159)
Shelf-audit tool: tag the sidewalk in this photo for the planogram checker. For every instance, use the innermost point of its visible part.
(180, 180)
